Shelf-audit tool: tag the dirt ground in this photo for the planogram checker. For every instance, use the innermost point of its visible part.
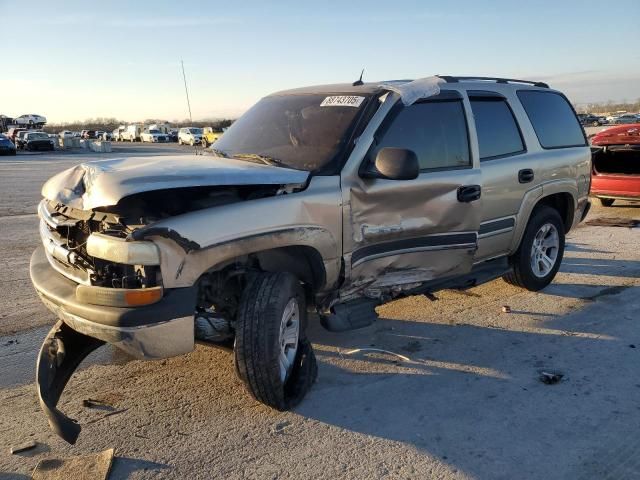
(463, 399)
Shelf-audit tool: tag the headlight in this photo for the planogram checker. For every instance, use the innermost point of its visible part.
(119, 250)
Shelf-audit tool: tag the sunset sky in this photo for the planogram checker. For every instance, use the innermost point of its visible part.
(71, 61)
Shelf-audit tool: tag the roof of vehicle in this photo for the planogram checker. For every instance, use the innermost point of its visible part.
(623, 135)
(373, 87)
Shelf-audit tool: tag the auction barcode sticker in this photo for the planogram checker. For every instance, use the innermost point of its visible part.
(342, 101)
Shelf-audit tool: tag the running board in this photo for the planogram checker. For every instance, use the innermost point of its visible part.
(350, 315)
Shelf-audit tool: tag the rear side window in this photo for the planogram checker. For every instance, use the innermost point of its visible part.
(552, 118)
(436, 131)
(498, 133)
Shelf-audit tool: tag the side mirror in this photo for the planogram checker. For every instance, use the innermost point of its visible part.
(394, 164)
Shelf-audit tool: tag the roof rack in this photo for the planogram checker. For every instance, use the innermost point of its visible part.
(450, 79)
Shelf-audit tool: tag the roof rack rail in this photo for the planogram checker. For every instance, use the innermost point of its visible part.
(450, 79)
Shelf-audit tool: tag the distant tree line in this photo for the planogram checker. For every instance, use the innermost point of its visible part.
(110, 124)
(609, 107)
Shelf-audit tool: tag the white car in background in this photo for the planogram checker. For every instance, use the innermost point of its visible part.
(31, 120)
(189, 136)
(65, 133)
(153, 136)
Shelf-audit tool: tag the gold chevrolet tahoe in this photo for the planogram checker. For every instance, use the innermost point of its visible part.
(328, 200)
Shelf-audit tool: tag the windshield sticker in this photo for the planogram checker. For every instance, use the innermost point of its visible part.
(342, 101)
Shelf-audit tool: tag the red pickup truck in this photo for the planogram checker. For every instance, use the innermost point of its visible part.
(616, 164)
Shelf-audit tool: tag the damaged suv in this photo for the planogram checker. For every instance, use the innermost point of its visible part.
(328, 200)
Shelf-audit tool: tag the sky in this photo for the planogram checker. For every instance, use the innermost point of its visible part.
(71, 61)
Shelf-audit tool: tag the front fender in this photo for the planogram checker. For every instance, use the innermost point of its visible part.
(180, 268)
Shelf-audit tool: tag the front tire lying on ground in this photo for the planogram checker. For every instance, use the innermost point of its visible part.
(272, 354)
(539, 255)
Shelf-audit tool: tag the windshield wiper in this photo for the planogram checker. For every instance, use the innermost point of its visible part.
(216, 152)
(266, 159)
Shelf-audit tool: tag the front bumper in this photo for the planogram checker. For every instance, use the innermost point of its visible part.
(160, 330)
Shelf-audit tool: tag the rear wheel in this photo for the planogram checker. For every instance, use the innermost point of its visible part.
(539, 255)
(607, 202)
(272, 355)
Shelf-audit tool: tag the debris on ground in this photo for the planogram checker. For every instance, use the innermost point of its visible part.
(378, 350)
(280, 427)
(93, 403)
(23, 447)
(613, 222)
(632, 346)
(86, 467)
(506, 309)
(550, 378)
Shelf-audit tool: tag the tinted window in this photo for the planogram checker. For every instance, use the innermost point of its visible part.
(552, 118)
(498, 133)
(435, 131)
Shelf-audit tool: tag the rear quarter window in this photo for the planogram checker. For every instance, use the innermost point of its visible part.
(553, 119)
(498, 132)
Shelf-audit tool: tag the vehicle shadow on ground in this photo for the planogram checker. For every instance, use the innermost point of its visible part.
(472, 395)
(599, 266)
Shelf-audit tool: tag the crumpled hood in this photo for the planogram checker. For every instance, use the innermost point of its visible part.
(104, 182)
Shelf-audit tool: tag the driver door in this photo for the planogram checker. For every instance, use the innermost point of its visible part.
(399, 234)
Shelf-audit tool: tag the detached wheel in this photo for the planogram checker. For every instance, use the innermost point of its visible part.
(607, 202)
(539, 255)
(272, 355)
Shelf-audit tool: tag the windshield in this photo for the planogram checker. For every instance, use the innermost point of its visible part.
(195, 131)
(154, 131)
(305, 132)
(38, 136)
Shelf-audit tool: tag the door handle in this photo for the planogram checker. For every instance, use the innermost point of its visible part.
(525, 175)
(469, 193)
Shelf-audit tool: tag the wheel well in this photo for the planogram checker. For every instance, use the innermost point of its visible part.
(303, 261)
(563, 203)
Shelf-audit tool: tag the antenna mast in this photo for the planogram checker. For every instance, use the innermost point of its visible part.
(186, 90)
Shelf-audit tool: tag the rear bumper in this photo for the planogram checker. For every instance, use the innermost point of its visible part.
(161, 330)
(624, 187)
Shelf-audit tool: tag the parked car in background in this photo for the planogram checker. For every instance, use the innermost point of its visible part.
(626, 119)
(131, 133)
(616, 164)
(65, 133)
(173, 135)
(7, 147)
(19, 139)
(31, 120)
(89, 134)
(189, 136)
(116, 134)
(153, 136)
(13, 133)
(209, 136)
(37, 141)
(587, 119)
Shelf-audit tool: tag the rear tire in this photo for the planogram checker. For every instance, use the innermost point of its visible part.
(607, 202)
(272, 355)
(540, 253)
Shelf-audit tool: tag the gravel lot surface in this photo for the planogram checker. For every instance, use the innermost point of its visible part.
(466, 404)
